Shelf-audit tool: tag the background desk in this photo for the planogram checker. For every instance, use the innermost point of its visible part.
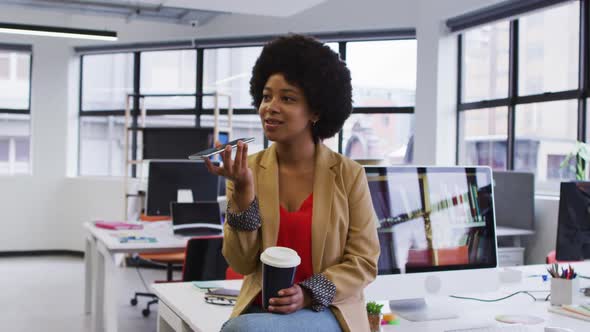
(101, 283)
(183, 308)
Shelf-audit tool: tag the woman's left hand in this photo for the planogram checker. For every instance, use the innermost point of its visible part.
(291, 299)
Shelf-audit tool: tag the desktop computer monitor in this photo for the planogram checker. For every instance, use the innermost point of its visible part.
(175, 142)
(169, 180)
(436, 231)
(514, 199)
(573, 228)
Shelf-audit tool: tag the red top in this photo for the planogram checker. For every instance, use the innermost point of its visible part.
(295, 233)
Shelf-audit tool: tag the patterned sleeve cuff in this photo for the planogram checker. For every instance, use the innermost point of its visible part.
(322, 291)
(247, 220)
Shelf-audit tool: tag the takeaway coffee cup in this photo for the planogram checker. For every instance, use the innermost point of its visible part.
(278, 271)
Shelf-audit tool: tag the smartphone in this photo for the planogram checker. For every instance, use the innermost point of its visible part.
(213, 151)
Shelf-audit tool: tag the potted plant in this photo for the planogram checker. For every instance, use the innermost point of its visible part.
(582, 154)
(374, 313)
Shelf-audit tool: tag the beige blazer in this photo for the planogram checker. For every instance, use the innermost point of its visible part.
(344, 246)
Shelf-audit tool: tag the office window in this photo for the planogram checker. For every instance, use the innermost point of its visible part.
(102, 144)
(23, 66)
(544, 129)
(556, 172)
(545, 45)
(483, 137)
(21, 149)
(383, 72)
(332, 142)
(15, 131)
(4, 65)
(228, 71)
(485, 62)
(177, 120)
(14, 80)
(549, 50)
(4, 149)
(384, 138)
(168, 72)
(106, 80)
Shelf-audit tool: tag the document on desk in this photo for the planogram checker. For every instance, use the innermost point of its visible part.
(574, 311)
(134, 239)
(206, 285)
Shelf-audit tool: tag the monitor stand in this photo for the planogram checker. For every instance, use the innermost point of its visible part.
(416, 310)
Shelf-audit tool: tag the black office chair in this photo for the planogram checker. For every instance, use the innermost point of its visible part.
(171, 260)
(202, 261)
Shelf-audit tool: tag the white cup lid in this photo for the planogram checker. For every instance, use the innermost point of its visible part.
(280, 257)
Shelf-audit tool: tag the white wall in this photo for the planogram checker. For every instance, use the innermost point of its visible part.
(46, 210)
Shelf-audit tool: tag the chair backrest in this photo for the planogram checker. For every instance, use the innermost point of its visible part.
(203, 259)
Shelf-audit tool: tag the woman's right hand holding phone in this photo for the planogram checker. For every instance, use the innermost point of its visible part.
(236, 171)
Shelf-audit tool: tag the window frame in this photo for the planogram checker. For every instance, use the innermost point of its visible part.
(200, 46)
(26, 49)
(20, 48)
(580, 94)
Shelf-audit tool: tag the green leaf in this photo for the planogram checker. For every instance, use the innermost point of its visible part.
(373, 308)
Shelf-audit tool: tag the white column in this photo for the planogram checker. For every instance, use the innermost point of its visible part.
(436, 90)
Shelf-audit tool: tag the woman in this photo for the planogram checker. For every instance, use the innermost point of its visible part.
(300, 194)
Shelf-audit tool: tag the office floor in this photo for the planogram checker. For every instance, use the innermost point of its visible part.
(47, 294)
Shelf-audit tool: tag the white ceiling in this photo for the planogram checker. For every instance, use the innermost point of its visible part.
(279, 8)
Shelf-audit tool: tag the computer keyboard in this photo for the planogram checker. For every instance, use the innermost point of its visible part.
(502, 328)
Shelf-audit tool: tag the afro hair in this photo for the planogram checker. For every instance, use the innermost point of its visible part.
(314, 68)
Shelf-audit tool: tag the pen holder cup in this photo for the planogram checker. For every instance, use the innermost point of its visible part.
(564, 291)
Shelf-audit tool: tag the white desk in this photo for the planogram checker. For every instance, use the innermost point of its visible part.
(182, 307)
(101, 282)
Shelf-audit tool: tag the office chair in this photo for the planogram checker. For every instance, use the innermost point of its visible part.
(202, 261)
(170, 259)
